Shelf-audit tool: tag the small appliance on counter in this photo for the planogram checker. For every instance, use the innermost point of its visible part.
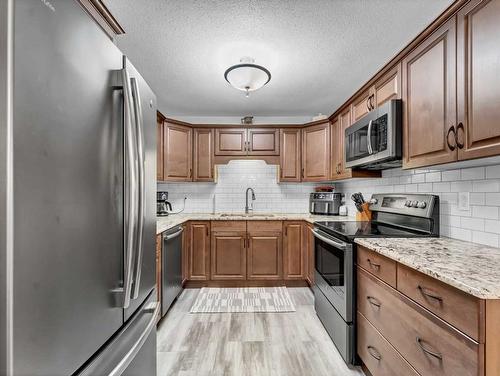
(393, 215)
(325, 203)
(162, 204)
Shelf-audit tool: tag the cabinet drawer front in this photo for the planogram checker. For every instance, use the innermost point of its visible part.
(379, 356)
(380, 266)
(430, 345)
(273, 226)
(240, 226)
(454, 306)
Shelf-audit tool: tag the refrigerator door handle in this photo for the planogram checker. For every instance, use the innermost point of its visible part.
(141, 184)
(127, 359)
(131, 186)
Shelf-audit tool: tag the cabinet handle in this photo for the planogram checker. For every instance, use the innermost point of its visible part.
(452, 129)
(302, 172)
(368, 104)
(374, 352)
(207, 232)
(373, 301)
(427, 351)
(428, 294)
(340, 169)
(373, 265)
(459, 144)
(372, 99)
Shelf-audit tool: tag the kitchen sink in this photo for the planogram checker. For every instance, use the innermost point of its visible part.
(246, 215)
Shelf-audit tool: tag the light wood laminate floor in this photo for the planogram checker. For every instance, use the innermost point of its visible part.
(253, 344)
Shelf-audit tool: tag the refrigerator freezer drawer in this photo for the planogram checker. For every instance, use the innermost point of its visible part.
(132, 348)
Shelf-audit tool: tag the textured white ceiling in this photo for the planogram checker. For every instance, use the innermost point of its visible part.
(319, 52)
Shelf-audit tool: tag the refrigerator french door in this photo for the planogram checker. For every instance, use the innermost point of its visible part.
(80, 264)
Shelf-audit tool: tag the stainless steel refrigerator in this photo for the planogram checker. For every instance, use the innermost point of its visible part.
(77, 198)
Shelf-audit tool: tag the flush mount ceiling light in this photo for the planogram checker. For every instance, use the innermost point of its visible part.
(247, 76)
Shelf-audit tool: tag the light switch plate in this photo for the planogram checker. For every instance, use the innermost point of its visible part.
(464, 201)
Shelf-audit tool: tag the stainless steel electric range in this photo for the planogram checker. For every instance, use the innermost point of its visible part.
(393, 215)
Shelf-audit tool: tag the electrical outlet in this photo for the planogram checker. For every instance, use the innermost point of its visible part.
(464, 201)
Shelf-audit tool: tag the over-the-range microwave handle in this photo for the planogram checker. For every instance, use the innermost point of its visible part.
(139, 133)
(369, 138)
(340, 245)
(130, 185)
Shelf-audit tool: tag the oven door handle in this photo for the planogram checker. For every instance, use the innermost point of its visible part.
(330, 241)
(369, 138)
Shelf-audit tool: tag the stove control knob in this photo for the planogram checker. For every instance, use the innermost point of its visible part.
(408, 203)
(422, 204)
(414, 204)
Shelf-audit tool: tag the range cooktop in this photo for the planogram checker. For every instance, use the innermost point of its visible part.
(367, 229)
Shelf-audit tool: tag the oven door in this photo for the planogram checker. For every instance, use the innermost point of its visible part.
(334, 264)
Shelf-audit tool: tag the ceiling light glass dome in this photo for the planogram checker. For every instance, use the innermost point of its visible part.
(247, 76)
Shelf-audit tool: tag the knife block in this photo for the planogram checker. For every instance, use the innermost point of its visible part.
(366, 214)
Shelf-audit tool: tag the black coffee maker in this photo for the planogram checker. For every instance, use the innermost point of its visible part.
(162, 205)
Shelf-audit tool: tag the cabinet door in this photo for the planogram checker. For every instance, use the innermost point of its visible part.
(290, 156)
(478, 90)
(344, 123)
(264, 256)
(263, 141)
(228, 261)
(158, 267)
(203, 163)
(429, 100)
(230, 141)
(316, 152)
(199, 251)
(295, 255)
(336, 148)
(388, 87)
(159, 148)
(177, 151)
(309, 246)
(362, 105)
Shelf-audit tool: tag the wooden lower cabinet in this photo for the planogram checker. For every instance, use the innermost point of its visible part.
(198, 250)
(428, 343)
(228, 247)
(264, 256)
(295, 257)
(309, 247)
(379, 356)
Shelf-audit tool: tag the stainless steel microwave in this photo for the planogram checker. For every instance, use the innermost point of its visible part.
(375, 141)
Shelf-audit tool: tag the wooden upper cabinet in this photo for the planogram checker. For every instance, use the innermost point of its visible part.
(177, 163)
(294, 253)
(388, 86)
(336, 148)
(344, 123)
(316, 152)
(199, 251)
(230, 141)
(362, 105)
(478, 79)
(429, 100)
(203, 153)
(290, 155)
(263, 141)
(159, 147)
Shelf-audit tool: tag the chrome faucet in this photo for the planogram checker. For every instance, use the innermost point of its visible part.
(247, 208)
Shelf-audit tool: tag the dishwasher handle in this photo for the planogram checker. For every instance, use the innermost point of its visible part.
(174, 235)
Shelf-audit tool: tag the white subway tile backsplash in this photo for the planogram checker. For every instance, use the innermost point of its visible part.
(493, 172)
(475, 173)
(481, 223)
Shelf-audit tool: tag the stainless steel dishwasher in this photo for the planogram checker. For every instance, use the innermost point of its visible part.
(171, 275)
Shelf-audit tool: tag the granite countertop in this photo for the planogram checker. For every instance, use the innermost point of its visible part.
(470, 267)
(164, 223)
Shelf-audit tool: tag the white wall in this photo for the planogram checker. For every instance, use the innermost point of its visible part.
(480, 224)
(228, 195)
